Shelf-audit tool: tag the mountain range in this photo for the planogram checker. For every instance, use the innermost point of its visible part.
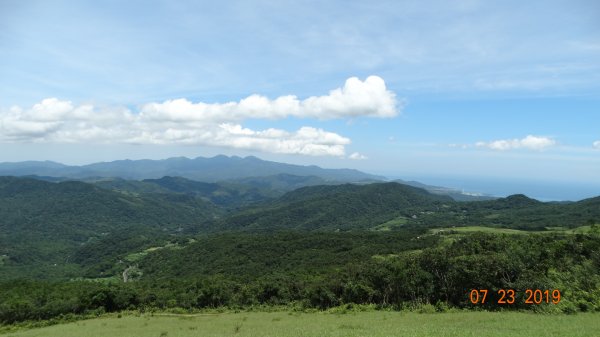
(272, 178)
(201, 169)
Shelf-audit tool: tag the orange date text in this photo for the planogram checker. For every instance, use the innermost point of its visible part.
(510, 296)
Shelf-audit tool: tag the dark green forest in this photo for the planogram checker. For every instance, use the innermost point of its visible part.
(67, 248)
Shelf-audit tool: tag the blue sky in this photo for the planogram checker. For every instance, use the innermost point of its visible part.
(441, 91)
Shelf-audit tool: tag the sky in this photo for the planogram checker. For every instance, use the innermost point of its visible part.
(496, 97)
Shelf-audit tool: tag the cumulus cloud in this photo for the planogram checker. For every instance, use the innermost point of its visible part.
(597, 144)
(357, 156)
(180, 121)
(356, 98)
(530, 143)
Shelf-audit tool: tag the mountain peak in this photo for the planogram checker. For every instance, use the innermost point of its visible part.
(517, 200)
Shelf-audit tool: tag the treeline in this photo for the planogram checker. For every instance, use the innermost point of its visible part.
(441, 276)
(243, 256)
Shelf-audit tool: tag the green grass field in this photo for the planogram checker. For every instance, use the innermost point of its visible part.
(549, 230)
(283, 324)
(394, 223)
(470, 229)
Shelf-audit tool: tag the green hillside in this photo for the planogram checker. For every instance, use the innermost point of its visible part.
(515, 212)
(228, 195)
(339, 207)
(245, 256)
(77, 229)
(385, 206)
(43, 223)
(282, 182)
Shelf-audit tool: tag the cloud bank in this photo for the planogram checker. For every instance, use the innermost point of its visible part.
(180, 121)
(597, 144)
(530, 143)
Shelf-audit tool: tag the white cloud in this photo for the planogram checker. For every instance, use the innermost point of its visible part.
(218, 124)
(597, 144)
(357, 156)
(463, 146)
(530, 143)
(356, 98)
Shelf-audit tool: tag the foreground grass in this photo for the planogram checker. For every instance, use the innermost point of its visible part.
(282, 324)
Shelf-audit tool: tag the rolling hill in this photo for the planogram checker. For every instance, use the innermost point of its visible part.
(388, 206)
(226, 195)
(43, 223)
(338, 207)
(74, 228)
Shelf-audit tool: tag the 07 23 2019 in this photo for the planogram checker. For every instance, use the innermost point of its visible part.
(511, 296)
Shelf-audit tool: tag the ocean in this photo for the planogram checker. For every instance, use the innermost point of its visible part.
(502, 187)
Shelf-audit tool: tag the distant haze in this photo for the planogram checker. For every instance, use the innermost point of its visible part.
(547, 190)
(223, 168)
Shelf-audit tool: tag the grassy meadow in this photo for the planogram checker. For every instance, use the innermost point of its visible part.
(288, 324)
(497, 230)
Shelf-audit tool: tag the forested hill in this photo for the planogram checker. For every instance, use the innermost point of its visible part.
(389, 206)
(43, 221)
(339, 207)
(229, 195)
(37, 205)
